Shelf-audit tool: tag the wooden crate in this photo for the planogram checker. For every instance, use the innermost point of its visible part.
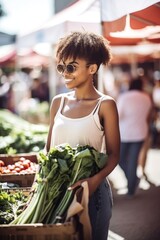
(23, 180)
(70, 230)
(65, 231)
(10, 159)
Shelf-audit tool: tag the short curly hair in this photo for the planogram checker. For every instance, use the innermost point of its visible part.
(92, 47)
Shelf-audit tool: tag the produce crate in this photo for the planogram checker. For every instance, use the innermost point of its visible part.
(10, 159)
(26, 191)
(65, 231)
(23, 180)
(69, 230)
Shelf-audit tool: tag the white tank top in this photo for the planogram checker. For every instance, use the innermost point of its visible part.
(83, 131)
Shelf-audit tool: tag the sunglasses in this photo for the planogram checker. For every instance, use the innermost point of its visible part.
(70, 68)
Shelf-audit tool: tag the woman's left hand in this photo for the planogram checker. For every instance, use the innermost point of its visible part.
(92, 185)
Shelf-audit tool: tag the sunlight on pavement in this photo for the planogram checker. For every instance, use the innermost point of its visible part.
(114, 236)
(153, 166)
(152, 170)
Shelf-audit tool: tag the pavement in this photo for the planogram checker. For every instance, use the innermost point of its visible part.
(152, 170)
(137, 218)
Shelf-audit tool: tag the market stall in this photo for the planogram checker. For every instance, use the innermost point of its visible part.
(124, 27)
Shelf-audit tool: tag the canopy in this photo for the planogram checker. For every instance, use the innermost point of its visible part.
(128, 22)
(31, 59)
(114, 9)
(89, 14)
(83, 15)
(7, 54)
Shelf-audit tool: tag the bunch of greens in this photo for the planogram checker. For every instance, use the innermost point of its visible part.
(11, 205)
(59, 169)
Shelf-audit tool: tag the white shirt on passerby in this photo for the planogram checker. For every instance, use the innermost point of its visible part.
(156, 96)
(134, 107)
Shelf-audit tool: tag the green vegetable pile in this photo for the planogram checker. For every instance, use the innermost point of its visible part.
(20, 136)
(11, 205)
(62, 167)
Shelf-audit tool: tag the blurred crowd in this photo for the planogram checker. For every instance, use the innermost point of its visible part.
(24, 91)
(117, 82)
(138, 101)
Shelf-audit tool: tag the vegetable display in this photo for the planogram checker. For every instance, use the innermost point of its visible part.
(11, 205)
(59, 169)
(19, 136)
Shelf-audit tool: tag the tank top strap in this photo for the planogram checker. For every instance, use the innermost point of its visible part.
(96, 109)
(95, 113)
(61, 104)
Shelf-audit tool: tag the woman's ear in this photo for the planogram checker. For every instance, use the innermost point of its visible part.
(93, 68)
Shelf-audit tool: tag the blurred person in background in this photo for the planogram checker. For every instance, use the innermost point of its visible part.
(134, 107)
(40, 90)
(20, 82)
(5, 92)
(156, 92)
(156, 122)
(142, 159)
(145, 183)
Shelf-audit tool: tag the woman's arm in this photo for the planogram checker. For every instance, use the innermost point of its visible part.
(53, 110)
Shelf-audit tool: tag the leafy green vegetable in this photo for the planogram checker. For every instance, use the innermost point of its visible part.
(11, 205)
(59, 169)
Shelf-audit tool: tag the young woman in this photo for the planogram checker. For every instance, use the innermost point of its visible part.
(85, 116)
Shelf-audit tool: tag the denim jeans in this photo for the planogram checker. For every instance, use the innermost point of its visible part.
(128, 162)
(100, 211)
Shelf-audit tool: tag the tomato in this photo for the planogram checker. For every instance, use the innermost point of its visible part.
(21, 167)
(22, 159)
(18, 164)
(17, 169)
(11, 167)
(25, 164)
(1, 163)
(6, 171)
(28, 161)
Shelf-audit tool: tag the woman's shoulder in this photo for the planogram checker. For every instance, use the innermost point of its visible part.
(55, 103)
(106, 99)
(62, 95)
(107, 103)
(108, 106)
(59, 96)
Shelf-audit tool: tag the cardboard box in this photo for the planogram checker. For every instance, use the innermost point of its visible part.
(66, 231)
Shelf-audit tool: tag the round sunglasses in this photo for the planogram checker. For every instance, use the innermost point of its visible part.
(68, 68)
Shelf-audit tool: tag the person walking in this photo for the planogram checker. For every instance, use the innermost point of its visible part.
(134, 108)
(85, 116)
